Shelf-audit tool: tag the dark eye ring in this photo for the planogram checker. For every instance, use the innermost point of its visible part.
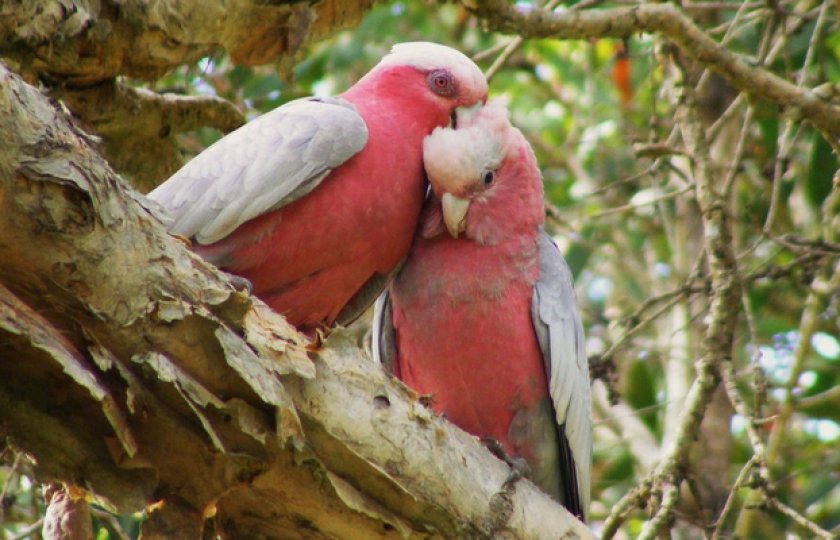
(440, 82)
(488, 177)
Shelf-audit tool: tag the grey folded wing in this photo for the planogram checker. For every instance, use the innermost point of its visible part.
(264, 165)
(560, 334)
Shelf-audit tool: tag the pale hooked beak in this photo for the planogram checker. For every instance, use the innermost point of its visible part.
(454, 213)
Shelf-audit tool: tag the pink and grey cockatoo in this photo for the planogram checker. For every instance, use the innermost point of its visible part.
(316, 202)
(484, 318)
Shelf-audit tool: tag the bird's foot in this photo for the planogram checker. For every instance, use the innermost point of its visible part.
(317, 334)
(518, 466)
(428, 401)
(240, 283)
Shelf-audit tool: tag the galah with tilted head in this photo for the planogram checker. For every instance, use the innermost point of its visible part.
(484, 318)
(316, 202)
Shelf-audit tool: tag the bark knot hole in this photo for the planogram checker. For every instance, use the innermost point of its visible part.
(381, 402)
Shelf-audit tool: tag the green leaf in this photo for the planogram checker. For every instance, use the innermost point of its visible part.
(822, 163)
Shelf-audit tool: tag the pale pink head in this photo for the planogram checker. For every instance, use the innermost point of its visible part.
(428, 77)
(485, 176)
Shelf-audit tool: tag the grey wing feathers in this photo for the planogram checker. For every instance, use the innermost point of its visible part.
(382, 336)
(560, 333)
(266, 164)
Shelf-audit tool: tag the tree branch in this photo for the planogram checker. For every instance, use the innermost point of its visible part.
(142, 376)
(139, 126)
(80, 43)
(671, 23)
(725, 293)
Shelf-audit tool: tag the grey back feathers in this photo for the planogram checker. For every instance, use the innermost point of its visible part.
(560, 334)
(264, 165)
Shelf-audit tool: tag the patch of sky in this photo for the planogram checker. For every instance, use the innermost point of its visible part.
(823, 429)
(397, 9)
(322, 88)
(826, 345)
(599, 289)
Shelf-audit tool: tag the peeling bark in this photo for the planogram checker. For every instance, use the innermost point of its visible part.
(132, 369)
(78, 48)
(83, 42)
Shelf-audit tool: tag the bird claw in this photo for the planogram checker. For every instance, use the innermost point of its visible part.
(240, 283)
(518, 467)
(428, 401)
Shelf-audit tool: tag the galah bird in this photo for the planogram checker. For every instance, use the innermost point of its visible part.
(484, 319)
(316, 202)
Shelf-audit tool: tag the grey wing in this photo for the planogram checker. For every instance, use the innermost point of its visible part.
(265, 164)
(560, 333)
(382, 335)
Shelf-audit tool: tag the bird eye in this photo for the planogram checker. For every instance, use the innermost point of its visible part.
(488, 177)
(441, 83)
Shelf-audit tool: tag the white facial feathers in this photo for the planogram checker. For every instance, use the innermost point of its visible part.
(456, 158)
(428, 56)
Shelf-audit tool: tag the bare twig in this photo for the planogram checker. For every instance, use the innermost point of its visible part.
(631, 500)
(29, 531)
(635, 206)
(825, 283)
(800, 520)
(819, 399)
(725, 292)
(730, 499)
(112, 521)
(664, 514)
(670, 22)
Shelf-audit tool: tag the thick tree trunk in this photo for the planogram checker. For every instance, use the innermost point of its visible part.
(132, 369)
(78, 48)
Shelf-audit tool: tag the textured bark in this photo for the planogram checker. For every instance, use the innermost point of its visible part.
(78, 48)
(132, 369)
(84, 42)
(672, 23)
(67, 516)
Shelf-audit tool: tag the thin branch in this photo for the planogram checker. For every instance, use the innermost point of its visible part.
(663, 516)
(30, 530)
(735, 165)
(825, 283)
(631, 500)
(800, 519)
(112, 522)
(819, 399)
(670, 22)
(641, 324)
(635, 206)
(741, 407)
(726, 289)
(730, 499)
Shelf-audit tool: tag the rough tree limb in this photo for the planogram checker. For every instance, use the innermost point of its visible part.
(130, 368)
(83, 42)
(78, 48)
(138, 126)
(670, 22)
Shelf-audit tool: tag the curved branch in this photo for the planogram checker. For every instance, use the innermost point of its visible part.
(670, 22)
(79, 43)
(138, 126)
